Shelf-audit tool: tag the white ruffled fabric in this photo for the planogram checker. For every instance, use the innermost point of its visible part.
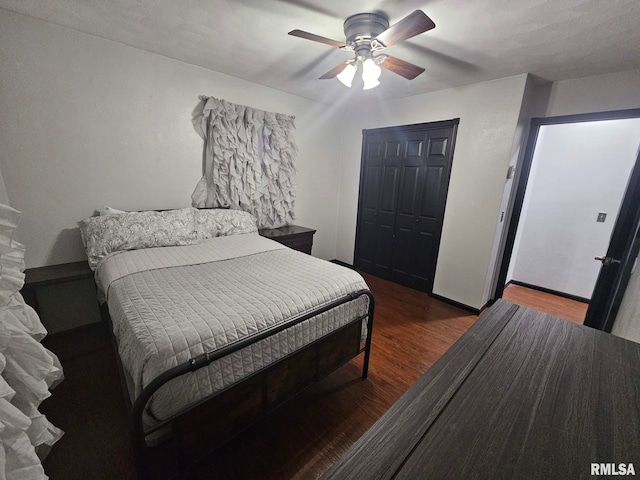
(250, 161)
(27, 370)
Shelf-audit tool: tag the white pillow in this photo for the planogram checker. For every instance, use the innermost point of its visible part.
(222, 222)
(105, 234)
(107, 210)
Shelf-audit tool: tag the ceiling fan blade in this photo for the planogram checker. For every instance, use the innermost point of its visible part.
(413, 24)
(316, 38)
(335, 70)
(402, 68)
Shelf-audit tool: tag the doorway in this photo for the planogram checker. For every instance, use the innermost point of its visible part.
(573, 181)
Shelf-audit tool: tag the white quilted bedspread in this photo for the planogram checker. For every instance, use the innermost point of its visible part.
(170, 304)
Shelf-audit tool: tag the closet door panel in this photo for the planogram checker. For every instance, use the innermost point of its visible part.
(388, 205)
(371, 187)
(389, 193)
(404, 255)
(368, 213)
(423, 259)
(430, 195)
(384, 252)
(367, 244)
(379, 198)
(408, 189)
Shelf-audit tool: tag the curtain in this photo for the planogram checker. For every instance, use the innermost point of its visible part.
(27, 370)
(249, 161)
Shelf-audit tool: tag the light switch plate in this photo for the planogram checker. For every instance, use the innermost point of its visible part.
(601, 217)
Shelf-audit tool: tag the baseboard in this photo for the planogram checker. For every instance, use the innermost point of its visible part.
(475, 311)
(548, 290)
(486, 305)
(343, 264)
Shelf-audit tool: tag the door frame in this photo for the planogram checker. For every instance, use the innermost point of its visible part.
(454, 122)
(525, 170)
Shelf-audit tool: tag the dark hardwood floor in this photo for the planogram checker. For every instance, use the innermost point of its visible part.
(298, 441)
(546, 302)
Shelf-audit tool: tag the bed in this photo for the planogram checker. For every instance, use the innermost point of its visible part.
(214, 325)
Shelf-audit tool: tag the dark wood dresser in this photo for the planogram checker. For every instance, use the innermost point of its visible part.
(521, 395)
(293, 236)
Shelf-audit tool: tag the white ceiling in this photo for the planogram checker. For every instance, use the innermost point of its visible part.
(474, 40)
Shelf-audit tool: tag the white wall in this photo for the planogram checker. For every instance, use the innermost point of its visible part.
(488, 115)
(89, 122)
(601, 93)
(510, 186)
(578, 170)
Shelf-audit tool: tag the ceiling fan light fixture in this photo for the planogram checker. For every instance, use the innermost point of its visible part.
(370, 74)
(369, 84)
(346, 76)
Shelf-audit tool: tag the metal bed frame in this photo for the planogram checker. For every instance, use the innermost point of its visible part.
(136, 409)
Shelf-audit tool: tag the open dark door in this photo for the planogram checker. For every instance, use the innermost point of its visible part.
(618, 262)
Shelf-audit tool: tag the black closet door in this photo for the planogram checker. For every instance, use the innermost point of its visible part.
(403, 190)
(424, 181)
(378, 203)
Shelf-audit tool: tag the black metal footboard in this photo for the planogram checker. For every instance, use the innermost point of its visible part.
(193, 364)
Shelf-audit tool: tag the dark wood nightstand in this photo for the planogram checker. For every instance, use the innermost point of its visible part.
(293, 236)
(51, 275)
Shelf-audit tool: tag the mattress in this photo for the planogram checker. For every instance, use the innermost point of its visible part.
(170, 304)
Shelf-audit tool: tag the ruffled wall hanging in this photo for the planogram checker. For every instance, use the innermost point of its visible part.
(249, 161)
(27, 370)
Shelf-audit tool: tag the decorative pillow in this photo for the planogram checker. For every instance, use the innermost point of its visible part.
(222, 222)
(107, 210)
(134, 230)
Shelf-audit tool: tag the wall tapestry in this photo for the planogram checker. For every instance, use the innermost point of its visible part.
(249, 161)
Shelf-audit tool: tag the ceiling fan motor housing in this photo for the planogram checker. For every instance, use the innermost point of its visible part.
(361, 28)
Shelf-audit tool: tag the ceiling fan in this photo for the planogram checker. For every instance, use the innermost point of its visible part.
(367, 34)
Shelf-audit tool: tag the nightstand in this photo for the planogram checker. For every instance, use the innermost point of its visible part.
(52, 275)
(293, 236)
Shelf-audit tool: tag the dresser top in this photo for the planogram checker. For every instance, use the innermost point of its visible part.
(52, 274)
(283, 233)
